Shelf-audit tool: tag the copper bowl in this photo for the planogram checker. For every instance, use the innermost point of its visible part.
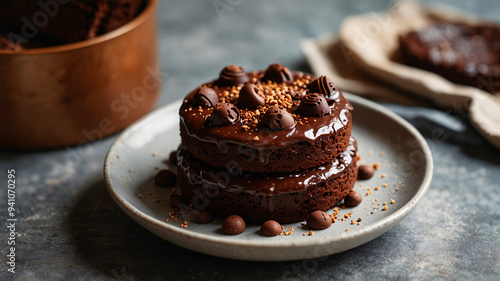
(80, 92)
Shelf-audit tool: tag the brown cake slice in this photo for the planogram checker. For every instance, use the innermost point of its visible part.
(464, 54)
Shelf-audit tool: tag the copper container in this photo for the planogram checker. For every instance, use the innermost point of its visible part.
(80, 92)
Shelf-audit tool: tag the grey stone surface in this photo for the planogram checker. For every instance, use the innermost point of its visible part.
(69, 228)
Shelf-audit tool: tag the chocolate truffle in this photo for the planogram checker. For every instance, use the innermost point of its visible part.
(277, 118)
(297, 94)
(233, 225)
(205, 97)
(353, 199)
(203, 217)
(270, 228)
(314, 105)
(224, 114)
(277, 73)
(172, 158)
(366, 172)
(232, 75)
(165, 178)
(319, 220)
(322, 85)
(175, 201)
(251, 96)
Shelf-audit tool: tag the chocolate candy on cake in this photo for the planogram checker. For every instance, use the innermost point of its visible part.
(277, 73)
(461, 53)
(277, 118)
(232, 75)
(205, 97)
(314, 104)
(224, 114)
(324, 86)
(251, 96)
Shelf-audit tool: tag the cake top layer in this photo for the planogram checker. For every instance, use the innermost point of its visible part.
(271, 108)
(471, 49)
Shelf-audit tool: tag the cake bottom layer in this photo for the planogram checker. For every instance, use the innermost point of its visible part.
(257, 197)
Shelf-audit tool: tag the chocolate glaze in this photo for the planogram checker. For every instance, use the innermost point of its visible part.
(307, 128)
(270, 184)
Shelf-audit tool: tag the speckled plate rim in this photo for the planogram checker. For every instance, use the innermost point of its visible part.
(361, 235)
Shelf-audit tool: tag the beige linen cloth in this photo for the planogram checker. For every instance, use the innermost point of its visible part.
(364, 60)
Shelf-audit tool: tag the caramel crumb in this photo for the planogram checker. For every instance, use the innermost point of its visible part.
(385, 208)
(311, 232)
(256, 138)
(382, 153)
(383, 175)
(392, 201)
(376, 166)
(368, 191)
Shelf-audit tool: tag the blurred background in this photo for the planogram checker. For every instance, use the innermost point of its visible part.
(70, 229)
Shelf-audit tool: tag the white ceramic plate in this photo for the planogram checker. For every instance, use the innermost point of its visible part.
(383, 137)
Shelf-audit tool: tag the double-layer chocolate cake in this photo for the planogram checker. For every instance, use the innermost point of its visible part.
(273, 144)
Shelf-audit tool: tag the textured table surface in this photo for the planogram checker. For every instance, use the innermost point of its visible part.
(69, 227)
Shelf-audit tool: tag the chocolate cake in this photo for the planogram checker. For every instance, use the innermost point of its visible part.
(273, 144)
(464, 54)
(33, 24)
(302, 138)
